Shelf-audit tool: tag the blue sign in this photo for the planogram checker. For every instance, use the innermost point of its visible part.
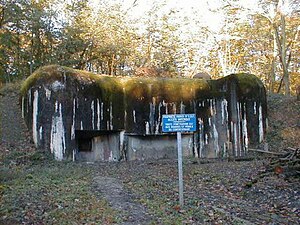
(179, 123)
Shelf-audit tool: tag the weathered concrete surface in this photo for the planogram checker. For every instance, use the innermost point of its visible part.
(58, 103)
(157, 147)
(102, 147)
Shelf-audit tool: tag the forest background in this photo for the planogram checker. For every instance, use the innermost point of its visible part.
(172, 38)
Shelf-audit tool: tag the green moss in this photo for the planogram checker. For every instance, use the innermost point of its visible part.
(248, 85)
(51, 73)
(170, 89)
(246, 81)
(179, 89)
(43, 72)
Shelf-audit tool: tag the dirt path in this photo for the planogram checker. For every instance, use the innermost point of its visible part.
(113, 191)
(215, 193)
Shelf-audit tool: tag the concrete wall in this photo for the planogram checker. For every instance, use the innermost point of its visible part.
(157, 147)
(123, 116)
(104, 147)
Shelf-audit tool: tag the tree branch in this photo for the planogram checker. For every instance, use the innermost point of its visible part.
(289, 60)
(1, 17)
(280, 85)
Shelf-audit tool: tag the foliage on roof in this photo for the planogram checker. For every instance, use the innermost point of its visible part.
(172, 89)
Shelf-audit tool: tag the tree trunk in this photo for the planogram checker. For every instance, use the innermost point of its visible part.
(273, 66)
(272, 76)
(282, 47)
(286, 76)
(1, 16)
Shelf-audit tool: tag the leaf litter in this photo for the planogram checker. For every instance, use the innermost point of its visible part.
(34, 189)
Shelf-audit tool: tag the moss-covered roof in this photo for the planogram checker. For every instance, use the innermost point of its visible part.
(174, 88)
(49, 74)
(249, 85)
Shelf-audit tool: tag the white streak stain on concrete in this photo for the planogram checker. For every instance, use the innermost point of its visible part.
(110, 158)
(201, 138)
(224, 112)
(125, 116)
(58, 142)
(152, 123)
(98, 115)
(23, 107)
(228, 134)
(41, 133)
(158, 120)
(225, 150)
(74, 154)
(133, 114)
(73, 120)
(165, 105)
(122, 133)
(244, 130)
(211, 107)
(111, 116)
(174, 110)
(232, 134)
(29, 99)
(216, 140)
(235, 139)
(35, 117)
(93, 114)
(102, 110)
(147, 128)
(57, 85)
(260, 124)
(239, 148)
(182, 107)
(48, 93)
(254, 108)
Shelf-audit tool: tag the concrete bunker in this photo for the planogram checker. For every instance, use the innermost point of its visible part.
(83, 116)
(97, 145)
(157, 146)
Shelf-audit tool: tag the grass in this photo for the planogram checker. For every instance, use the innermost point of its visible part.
(50, 192)
(35, 189)
(159, 193)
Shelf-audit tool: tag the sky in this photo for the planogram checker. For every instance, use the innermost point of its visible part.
(186, 8)
(206, 12)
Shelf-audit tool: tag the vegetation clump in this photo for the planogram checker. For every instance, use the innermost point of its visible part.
(172, 86)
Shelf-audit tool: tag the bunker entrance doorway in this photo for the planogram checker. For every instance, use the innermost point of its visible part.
(97, 145)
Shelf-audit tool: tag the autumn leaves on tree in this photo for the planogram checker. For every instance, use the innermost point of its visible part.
(108, 39)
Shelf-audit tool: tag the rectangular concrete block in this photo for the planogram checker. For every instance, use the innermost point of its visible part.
(157, 147)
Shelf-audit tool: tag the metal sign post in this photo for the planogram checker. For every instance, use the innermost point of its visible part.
(180, 173)
(179, 123)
